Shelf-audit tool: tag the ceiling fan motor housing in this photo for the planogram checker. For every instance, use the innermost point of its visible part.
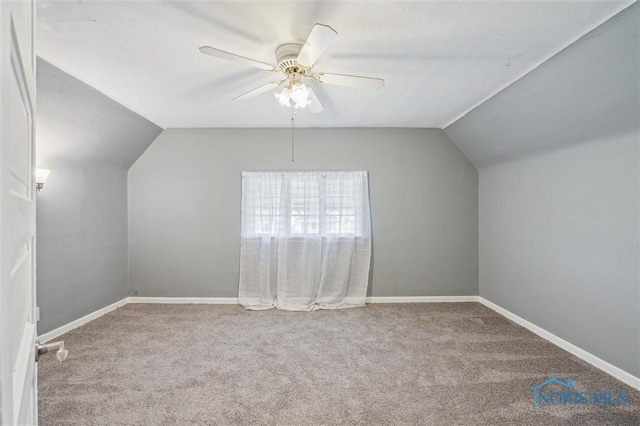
(287, 57)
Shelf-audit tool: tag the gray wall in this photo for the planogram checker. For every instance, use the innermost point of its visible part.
(184, 206)
(89, 142)
(559, 244)
(559, 193)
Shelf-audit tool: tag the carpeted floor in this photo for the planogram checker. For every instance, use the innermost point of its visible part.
(432, 363)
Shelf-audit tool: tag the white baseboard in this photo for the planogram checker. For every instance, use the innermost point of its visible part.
(611, 369)
(421, 299)
(186, 300)
(603, 365)
(234, 300)
(45, 337)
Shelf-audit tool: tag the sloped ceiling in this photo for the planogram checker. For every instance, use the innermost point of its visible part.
(76, 123)
(589, 90)
(439, 59)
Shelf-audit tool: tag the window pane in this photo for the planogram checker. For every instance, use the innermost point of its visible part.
(305, 224)
(281, 203)
(348, 225)
(333, 225)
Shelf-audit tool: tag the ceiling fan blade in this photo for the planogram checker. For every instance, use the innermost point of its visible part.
(350, 81)
(259, 90)
(315, 106)
(217, 53)
(319, 39)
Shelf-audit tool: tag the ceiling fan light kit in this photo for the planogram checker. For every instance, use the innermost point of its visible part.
(295, 94)
(296, 62)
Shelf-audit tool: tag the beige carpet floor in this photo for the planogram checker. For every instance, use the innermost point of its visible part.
(428, 364)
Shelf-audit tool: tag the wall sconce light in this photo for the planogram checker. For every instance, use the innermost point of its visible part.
(41, 178)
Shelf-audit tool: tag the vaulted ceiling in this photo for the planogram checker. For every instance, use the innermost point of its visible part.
(589, 91)
(76, 124)
(438, 59)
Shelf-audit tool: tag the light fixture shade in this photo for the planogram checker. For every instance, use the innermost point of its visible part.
(42, 175)
(295, 95)
(283, 97)
(300, 94)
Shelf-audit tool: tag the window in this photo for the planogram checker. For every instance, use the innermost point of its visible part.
(306, 240)
(302, 203)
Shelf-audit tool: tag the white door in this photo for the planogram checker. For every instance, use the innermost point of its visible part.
(18, 372)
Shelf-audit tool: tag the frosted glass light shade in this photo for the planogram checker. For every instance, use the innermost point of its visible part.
(300, 94)
(295, 95)
(283, 97)
(41, 178)
(42, 175)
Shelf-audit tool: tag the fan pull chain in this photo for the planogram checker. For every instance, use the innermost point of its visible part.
(293, 128)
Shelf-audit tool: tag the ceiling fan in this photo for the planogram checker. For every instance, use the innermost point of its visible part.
(295, 61)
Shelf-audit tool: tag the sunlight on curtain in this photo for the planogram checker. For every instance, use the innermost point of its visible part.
(306, 240)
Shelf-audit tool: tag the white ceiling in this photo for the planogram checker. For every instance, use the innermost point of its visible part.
(438, 59)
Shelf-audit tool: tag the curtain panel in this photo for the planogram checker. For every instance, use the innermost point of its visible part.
(305, 240)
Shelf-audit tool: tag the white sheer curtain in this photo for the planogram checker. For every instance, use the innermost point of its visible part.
(306, 240)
